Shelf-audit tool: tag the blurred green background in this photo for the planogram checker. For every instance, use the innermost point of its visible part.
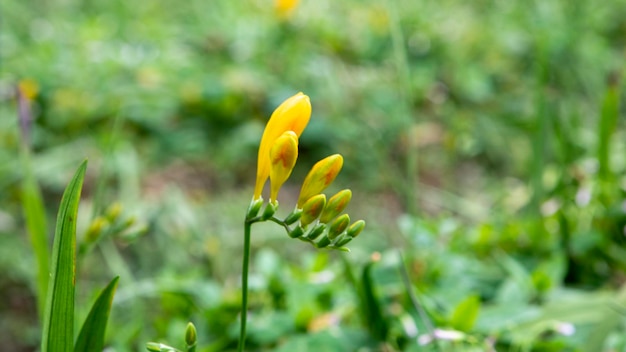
(483, 142)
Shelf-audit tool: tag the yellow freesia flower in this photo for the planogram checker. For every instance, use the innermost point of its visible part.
(283, 156)
(292, 115)
(285, 7)
(322, 174)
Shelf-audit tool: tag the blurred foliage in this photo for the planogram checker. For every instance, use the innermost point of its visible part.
(486, 140)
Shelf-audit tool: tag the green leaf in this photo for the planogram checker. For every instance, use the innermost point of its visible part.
(465, 314)
(35, 217)
(58, 324)
(609, 114)
(91, 336)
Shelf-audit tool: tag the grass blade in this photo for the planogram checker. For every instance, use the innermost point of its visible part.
(608, 123)
(58, 324)
(35, 217)
(91, 336)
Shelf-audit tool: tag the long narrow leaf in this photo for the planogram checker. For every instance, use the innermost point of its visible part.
(91, 336)
(35, 216)
(608, 123)
(58, 324)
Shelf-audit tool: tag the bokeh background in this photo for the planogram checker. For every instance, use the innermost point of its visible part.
(483, 142)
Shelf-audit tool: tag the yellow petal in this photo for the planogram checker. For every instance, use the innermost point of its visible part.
(292, 115)
(321, 176)
(283, 157)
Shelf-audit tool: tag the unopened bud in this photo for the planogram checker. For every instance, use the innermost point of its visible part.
(270, 210)
(324, 242)
(283, 156)
(297, 232)
(316, 231)
(322, 174)
(95, 229)
(293, 216)
(113, 211)
(190, 335)
(312, 209)
(254, 207)
(343, 241)
(356, 228)
(338, 226)
(336, 204)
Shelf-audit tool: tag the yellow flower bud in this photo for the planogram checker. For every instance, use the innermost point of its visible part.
(336, 204)
(321, 176)
(312, 209)
(283, 157)
(338, 226)
(356, 228)
(292, 115)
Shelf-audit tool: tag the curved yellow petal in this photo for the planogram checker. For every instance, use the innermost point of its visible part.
(292, 115)
(283, 156)
(322, 174)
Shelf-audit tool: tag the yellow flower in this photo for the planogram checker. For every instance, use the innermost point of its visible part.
(292, 115)
(285, 7)
(321, 176)
(283, 157)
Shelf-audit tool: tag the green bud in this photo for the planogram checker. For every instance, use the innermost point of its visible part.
(153, 346)
(293, 217)
(316, 231)
(343, 241)
(95, 229)
(190, 335)
(356, 228)
(336, 204)
(159, 347)
(113, 211)
(324, 242)
(270, 210)
(312, 209)
(338, 226)
(254, 207)
(297, 232)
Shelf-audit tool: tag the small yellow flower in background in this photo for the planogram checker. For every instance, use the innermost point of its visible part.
(285, 7)
(283, 156)
(28, 88)
(292, 115)
(322, 174)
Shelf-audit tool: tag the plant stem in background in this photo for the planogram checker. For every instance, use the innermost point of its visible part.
(244, 285)
(403, 74)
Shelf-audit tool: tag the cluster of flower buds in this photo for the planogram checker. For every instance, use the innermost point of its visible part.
(314, 219)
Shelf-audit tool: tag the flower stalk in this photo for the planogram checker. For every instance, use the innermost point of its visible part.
(314, 220)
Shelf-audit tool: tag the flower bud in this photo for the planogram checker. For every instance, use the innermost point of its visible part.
(322, 174)
(324, 242)
(343, 241)
(190, 335)
(336, 204)
(113, 211)
(356, 228)
(293, 216)
(254, 207)
(338, 226)
(296, 232)
(316, 231)
(96, 228)
(312, 209)
(270, 210)
(283, 156)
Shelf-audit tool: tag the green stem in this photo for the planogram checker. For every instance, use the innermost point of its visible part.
(244, 285)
